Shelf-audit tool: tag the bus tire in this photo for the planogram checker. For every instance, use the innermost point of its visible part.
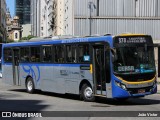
(30, 85)
(87, 93)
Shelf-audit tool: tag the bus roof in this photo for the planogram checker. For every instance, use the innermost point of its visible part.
(108, 38)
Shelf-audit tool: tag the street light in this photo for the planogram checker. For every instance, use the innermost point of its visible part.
(91, 6)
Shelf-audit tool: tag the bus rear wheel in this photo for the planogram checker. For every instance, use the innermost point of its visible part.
(87, 93)
(30, 85)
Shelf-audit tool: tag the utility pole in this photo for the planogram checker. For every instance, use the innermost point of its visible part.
(91, 6)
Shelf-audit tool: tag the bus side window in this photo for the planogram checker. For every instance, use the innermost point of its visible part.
(59, 54)
(68, 54)
(47, 53)
(84, 55)
(7, 55)
(35, 54)
(74, 54)
(24, 56)
(71, 54)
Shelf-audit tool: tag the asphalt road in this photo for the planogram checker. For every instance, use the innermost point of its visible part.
(13, 98)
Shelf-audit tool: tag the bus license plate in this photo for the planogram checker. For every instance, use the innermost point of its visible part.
(141, 91)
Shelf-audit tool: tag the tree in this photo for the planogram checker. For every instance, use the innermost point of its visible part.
(27, 38)
(9, 40)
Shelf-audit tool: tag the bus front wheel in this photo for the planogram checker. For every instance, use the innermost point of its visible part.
(30, 85)
(87, 93)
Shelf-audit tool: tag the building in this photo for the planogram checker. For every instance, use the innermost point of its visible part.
(63, 17)
(2, 21)
(26, 30)
(41, 18)
(46, 18)
(89, 17)
(23, 11)
(117, 16)
(35, 17)
(13, 28)
(52, 17)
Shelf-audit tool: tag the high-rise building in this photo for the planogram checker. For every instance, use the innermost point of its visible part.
(41, 18)
(23, 11)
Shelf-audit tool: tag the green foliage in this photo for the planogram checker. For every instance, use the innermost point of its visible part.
(27, 38)
(9, 40)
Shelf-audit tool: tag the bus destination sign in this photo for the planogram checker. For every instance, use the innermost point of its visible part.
(128, 40)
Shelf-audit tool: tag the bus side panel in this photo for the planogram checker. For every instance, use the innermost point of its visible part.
(76, 76)
(47, 82)
(72, 82)
(61, 73)
(32, 70)
(7, 72)
(22, 76)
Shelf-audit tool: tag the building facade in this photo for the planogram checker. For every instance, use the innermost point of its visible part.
(3, 32)
(35, 17)
(89, 17)
(26, 30)
(13, 27)
(117, 16)
(23, 11)
(46, 18)
(63, 17)
(41, 18)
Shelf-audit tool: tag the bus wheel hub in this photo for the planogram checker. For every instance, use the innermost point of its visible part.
(88, 92)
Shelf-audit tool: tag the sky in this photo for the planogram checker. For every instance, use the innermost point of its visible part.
(11, 6)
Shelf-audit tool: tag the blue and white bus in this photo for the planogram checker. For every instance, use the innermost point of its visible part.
(120, 66)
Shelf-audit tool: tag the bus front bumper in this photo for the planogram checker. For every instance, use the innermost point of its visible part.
(119, 92)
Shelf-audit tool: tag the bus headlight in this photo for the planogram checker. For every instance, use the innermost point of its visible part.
(123, 86)
(118, 84)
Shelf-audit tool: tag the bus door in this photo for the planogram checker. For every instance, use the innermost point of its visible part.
(99, 75)
(16, 53)
(101, 67)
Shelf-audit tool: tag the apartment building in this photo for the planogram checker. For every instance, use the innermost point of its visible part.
(41, 18)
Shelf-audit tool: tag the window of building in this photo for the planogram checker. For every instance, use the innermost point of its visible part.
(16, 35)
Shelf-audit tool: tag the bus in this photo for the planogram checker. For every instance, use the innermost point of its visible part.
(119, 67)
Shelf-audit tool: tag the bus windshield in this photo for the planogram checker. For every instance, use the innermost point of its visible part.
(134, 59)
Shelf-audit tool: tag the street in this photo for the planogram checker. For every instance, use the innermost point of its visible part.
(13, 98)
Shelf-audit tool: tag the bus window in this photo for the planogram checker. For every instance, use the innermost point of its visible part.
(47, 54)
(35, 54)
(24, 57)
(74, 54)
(59, 54)
(7, 55)
(69, 53)
(84, 55)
